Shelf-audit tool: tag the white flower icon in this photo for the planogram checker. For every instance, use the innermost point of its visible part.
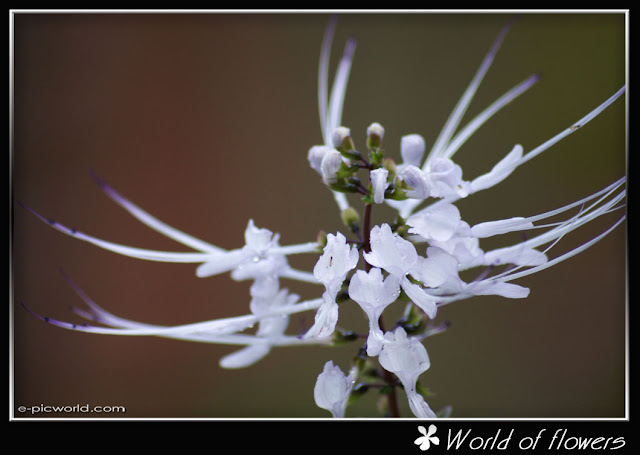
(427, 439)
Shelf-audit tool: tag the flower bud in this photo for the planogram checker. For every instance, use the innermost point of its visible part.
(332, 389)
(343, 143)
(330, 165)
(315, 156)
(415, 178)
(379, 183)
(375, 133)
(351, 219)
(412, 149)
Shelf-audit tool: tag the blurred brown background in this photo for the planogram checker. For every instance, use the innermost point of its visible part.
(205, 120)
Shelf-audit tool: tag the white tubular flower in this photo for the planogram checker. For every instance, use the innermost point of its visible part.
(336, 261)
(412, 149)
(379, 182)
(333, 388)
(266, 299)
(391, 252)
(330, 165)
(214, 260)
(407, 358)
(446, 179)
(463, 245)
(331, 270)
(438, 268)
(258, 243)
(315, 156)
(438, 223)
(373, 294)
(398, 257)
(417, 179)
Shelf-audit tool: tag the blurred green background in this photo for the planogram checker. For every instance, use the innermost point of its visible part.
(205, 120)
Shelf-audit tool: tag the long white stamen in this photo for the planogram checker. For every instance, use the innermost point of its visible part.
(485, 115)
(456, 116)
(309, 247)
(565, 256)
(299, 275)
(156, 224)
(139, 253)
(323, 77)
(585, 217)
(338, 91)
(573, 128)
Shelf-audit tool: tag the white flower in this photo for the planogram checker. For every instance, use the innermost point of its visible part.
(398, 256)
(379, 182)
(331, 270)
(330, 165)
(438, 223)
(373, 294)
(335, 262)
(438, 268)
(417, 179)
(407, 358)
(266, 298)
(446, 179)
(333, 388)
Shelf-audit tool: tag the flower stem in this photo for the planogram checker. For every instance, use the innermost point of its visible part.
(366, 229)
(387, 376)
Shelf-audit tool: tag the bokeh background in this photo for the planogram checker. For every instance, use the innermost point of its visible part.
(205, 120)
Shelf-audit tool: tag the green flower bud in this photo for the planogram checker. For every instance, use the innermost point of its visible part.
(344, 144)
(322, 239)
(375, 133)
(351, 219)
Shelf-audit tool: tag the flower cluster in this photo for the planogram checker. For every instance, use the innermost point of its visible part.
(416, 260)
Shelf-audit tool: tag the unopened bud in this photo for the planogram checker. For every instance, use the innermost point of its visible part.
(412, 149)
(379, 184)
(375, 133)
(315, 156)
(322, 239)
(343, 143)
(351, 219)
(330, 165)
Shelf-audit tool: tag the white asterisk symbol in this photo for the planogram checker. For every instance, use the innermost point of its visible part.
(427, 437)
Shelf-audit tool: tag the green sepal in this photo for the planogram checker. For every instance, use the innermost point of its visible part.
(397, 191)
(351, 219)
(424, 391)
(345, 186)
(346, 171)
(357, 391)
(376, 157)
(413, 321)
(322, 239)
(341, 337)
